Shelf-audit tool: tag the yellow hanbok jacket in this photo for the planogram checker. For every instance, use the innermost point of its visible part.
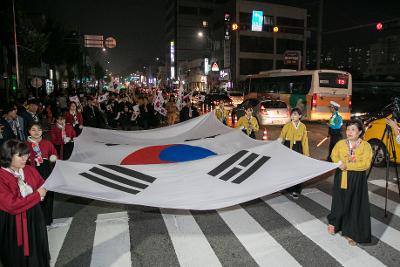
(243, 121)
(222, 115)
(363, 158)
(291, 133)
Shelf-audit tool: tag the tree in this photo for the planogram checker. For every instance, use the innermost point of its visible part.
(99, 72)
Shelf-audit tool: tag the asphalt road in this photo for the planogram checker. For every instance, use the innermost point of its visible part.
(272, 231)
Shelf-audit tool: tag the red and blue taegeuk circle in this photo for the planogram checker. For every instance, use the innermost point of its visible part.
(163, 154)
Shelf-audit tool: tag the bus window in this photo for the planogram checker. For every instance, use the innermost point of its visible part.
(333, 80)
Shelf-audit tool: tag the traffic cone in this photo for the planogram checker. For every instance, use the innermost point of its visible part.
(202, 108)
(206, 108)
(265, 135)
(230, 119)
(235, 121)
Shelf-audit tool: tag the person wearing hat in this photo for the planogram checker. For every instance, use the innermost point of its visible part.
(13, 125)
(335, 126)
(30, 115)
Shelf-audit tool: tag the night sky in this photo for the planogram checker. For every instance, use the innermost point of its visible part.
(138, 24)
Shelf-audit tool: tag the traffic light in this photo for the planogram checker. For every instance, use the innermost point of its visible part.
(227, 17)
(14, 82)
(275, 29)
(227, 21)
(379, 26)
(235, 27)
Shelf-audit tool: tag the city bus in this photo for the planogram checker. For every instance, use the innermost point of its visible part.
(309, 90)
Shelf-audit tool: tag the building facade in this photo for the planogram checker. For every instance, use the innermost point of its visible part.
(235, 52)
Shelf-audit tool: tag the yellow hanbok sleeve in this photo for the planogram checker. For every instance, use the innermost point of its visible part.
(335, 155)
(254, 124)
(241, 122)
(304, 142)
(284, 131)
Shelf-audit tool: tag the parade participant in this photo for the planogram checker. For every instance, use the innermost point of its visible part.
(248, 123)
(42, 155)
(335, 126)
(171, 108)
(74, 117)
(350, 211)
(30, 114)
(13, 124)
(124, 118)
(221, 113)
(23, 234)
(186, 111)
(294, 136)
(91, 113)
(62, 136)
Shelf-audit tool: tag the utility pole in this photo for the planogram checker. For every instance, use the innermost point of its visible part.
(15, 47)
(319, 33)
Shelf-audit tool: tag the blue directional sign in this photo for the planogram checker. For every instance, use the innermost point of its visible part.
(257, 21)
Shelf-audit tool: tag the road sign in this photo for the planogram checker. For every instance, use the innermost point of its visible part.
(292, 57)
(110, 42)
(94, 41)
(36, 82)
(214, 67)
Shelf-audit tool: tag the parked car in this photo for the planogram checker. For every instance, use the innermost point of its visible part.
(266, 111)
(380, 147)
(212, 100)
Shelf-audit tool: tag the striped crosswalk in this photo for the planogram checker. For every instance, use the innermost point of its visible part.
(272, 231)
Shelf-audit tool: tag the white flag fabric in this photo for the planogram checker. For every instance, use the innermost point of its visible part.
(158, 104)
(210, 183)
(200, 127)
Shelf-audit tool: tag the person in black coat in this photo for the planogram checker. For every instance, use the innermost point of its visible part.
(30, 115)
(13, 125)
(91, 114)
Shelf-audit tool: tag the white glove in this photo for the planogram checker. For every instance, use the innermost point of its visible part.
(67, 139)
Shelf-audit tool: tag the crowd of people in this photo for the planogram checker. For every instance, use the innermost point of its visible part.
(37, 132)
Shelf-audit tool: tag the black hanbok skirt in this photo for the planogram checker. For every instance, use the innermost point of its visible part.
(350, 211)
(298, 147)
(13, 256)
(47, 204)
(67, 150)
(252, 134)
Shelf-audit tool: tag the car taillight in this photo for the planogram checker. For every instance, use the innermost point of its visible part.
(314, 101)
(350, 103)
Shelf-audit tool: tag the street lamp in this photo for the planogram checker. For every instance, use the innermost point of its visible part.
(200, 34)
(104, 49)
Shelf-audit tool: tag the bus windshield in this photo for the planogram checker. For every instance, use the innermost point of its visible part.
(299, 84)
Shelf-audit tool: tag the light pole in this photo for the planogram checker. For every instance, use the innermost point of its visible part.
(15, 47)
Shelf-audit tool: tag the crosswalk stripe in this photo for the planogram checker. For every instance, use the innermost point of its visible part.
(56, 235)
(379, 201)
(378, 229)
(191, 246)
(316, 231)
(261, 246)
(111, 245)
(382, 183)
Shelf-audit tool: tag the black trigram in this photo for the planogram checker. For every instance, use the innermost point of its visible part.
(237, 169)
(97, 175)
(207, 137)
